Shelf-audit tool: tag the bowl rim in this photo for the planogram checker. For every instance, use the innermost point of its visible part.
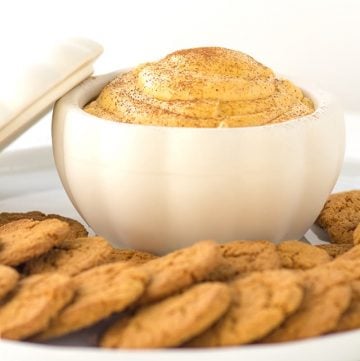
(83, 93)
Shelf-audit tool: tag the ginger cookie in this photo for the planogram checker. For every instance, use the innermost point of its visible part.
(350, 320)
(130, 255)
(72, 256)
(25, 239)
(32, 305)
(100, 291)
(340, 216)
(7, 217)
(335, 249)
(77, 230)
(172, 321)
(239, 257)
(8, 280)
(300, 255)
(352, 254)
(261, 301)
(327, 297)
(180, 269)
(356, 235)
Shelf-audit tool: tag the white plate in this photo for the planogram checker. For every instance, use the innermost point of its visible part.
(29, 182)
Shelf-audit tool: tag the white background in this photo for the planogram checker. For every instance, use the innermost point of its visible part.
(318, 40)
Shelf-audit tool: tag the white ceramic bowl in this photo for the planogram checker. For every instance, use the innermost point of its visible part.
(161, 188)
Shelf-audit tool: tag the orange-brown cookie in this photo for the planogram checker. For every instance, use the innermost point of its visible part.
(8, 280)
(25, 239)
(172, 321)
(130, 255)
(351, 318)
(261, 301)
(35, 301)
(240, 257)
(7, 217)
(335, 249)
(180, 269)
(300, 255)
(340, 216)
(72, 256)
(356, 235)
(327, 297)
(352, 254)
(100, 292)
(76, 228)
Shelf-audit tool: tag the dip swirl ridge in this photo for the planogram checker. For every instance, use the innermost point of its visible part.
(201, 87)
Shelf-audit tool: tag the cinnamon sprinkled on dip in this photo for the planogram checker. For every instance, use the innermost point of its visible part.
(201, 87)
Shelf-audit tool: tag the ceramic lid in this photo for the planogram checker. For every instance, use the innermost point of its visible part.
(38, 79)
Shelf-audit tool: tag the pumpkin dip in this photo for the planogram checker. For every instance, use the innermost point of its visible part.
(201, 87)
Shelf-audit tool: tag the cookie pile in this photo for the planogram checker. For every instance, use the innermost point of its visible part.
(55, 280)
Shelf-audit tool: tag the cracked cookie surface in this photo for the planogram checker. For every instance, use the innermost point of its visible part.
(100, 292)
(26, 238)
(76, 228)
(327, 297)
(300, 255)
(260, 302)
(340, 216)
(7, 217)
(180, 269)
(335, 249)
(32, 305)
(72, 256)
(172, 321)
(352, 254)
(131, 255)
(240, 257)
